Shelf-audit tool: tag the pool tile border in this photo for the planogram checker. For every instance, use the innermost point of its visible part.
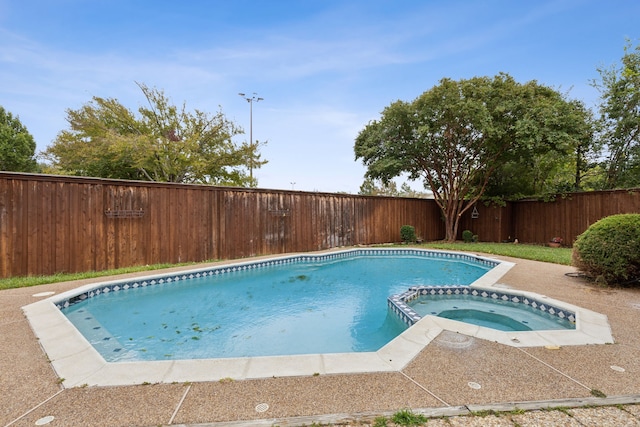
(399, 303)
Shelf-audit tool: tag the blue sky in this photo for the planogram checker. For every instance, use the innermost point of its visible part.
(325, 68)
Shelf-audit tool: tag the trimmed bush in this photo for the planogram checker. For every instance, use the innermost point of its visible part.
(467, 236)
(609, 250)
(408, 233)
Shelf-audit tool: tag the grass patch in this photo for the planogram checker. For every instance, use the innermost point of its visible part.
(380, 422)
(24, 282)
(531, 252)
(407, 418)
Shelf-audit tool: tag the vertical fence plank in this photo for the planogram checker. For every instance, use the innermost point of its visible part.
(110, 227)
(6, 235)
(99, 229)
(157, 223)
(62, 227)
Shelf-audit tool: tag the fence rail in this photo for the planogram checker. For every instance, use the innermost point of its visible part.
(51, 224)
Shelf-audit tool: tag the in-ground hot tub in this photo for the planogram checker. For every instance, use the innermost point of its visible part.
(496, 309)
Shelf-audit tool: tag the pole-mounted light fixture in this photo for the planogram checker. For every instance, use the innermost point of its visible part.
(251, 100)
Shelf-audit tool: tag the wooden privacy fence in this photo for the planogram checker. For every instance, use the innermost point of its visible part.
(535, 221)
(51, 224)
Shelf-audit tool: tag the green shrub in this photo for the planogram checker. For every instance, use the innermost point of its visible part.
(408, 233)
(609, 250)
(467, 236)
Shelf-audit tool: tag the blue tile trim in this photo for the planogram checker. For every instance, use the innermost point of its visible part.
(214, 271)
(398, 303)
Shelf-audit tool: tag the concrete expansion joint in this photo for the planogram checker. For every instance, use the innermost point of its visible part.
(175, 412)
(555, 369)
(424, 388)
(34, 408)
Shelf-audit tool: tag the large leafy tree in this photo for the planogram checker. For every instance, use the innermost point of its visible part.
(17, 146)
(456, 135)
(162, 143)
(561, 157)
(619, 88)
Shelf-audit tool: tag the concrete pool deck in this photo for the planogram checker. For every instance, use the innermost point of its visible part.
(452, 375)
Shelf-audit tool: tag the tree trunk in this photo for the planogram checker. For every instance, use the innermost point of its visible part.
(451, 225)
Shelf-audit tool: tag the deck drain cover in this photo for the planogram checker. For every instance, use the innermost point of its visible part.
(617, 368)
(474, 386)
(262, 407)
(45, 420)
(453, 340)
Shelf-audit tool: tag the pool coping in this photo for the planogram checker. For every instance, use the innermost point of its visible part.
(78, 364)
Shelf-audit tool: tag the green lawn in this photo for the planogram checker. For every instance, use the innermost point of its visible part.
(23, 282)
(532, 252)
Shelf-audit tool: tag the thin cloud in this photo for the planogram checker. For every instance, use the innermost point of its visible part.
(324, 68)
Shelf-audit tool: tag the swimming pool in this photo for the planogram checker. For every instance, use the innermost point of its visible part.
(264, 309)
(79, 364)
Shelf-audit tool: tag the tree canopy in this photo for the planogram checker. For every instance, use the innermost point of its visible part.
(372, 188)
(162, 143)
(619, 87)
(559, 157)
(17, 146)
(458, 134)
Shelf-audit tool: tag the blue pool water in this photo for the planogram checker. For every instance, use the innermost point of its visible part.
(488, 312)
(305, 307)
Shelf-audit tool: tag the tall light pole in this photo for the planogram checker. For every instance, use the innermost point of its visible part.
(251, 99)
